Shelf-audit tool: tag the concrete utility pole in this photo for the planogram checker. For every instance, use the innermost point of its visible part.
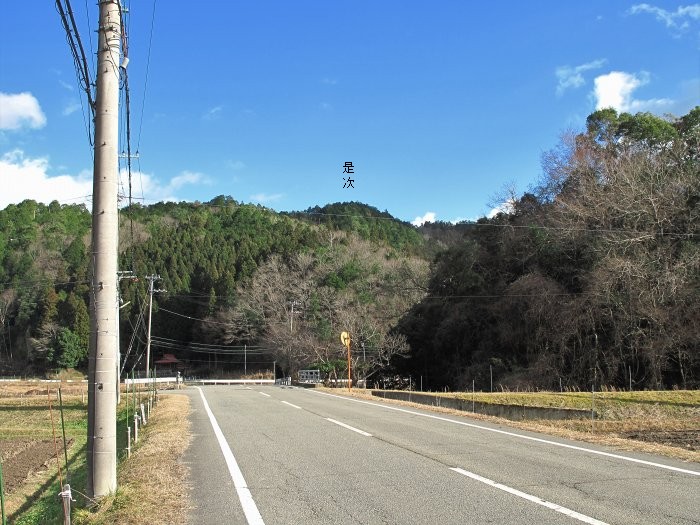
(151, 280)
(102, 369)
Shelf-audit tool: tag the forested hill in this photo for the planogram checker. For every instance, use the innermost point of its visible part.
(206, 254)
(591, 277)
(366, 221)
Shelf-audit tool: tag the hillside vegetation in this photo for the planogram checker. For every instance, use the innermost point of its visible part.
(591, 277)
(229, 276)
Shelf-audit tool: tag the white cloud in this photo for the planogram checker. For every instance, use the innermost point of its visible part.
(329, 81)
(572, 77)
(428, 217)
(146, 187)
(505, 207)
(65, 85)
(186, 177)
(236, 165)
(23, 178)
(266, 197)
(71, 108)
(615, 90)
(20, 109)
(213, 113)
(677, 20)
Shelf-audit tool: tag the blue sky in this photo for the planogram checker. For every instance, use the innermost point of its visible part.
(439, 105)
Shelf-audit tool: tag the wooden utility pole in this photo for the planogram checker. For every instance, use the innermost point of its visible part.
(102, 368)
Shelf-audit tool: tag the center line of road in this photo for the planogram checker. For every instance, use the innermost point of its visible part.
(514, 434)
(530, 497)
(250, 509)
(291, 404)
(349, 427)
(264, 394)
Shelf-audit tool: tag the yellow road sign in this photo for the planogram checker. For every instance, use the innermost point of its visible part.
(345, 338)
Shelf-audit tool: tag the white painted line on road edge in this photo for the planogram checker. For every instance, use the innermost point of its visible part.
(266, 395)
(250, 509)
(530, 497)
(291, 404)
(513, 434)
(349, 427)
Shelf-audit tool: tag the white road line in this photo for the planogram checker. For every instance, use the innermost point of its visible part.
(349, 427)
(250, 509)
(291, 404)
(530, 497)
(264, 394)
(521, 436)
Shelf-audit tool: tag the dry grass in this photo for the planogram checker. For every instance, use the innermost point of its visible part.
(151, 483)
(29, 416)
(620, 414)
(607, 404)
(37, 389)
(68, 374)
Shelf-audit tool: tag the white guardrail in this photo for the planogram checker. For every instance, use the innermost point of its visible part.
(43, 380)
(173, 379)
(142, 380)
(231, 382)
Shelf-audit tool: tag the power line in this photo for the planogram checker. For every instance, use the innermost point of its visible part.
(204, 345)
(204, 348)
(171, 346)
(505, 296)
(79, 60)
(145, 82)
(291, 214)
(10, 285)
(134, 334)
(161, 309)
(496, 225)
(225, 362)
(92, 53)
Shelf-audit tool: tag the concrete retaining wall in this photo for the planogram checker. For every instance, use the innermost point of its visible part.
(513, 412)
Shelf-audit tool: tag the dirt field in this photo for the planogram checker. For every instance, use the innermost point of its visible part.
(685, 439)
(26, 443)
(22, 457)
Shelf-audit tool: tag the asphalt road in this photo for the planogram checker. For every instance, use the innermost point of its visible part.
(278, 455)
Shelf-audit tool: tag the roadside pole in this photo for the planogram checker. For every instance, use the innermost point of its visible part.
(2, 497)
(345, 340)
(102, 367)
(151, 279)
